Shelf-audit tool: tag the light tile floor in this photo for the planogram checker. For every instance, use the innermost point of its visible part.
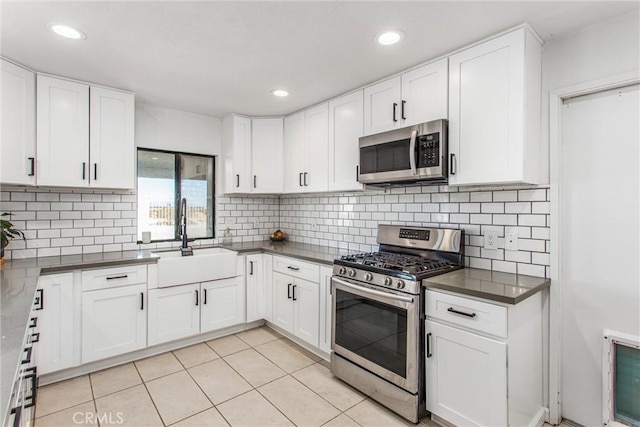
(253, 378)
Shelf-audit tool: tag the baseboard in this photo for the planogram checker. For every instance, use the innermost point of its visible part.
(540, 418)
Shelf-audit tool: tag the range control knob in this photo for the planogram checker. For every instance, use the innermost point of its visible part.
(387, 281)
(342, 270)
(400, 284)
(368, 277)
(351, 272)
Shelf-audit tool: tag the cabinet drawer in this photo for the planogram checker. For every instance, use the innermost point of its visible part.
(478, 315)
(113, 277)
(296, 268)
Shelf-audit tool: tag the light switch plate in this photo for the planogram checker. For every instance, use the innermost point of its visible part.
(491, 239)
(511, 239)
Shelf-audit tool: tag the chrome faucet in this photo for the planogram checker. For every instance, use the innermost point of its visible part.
(184, 248)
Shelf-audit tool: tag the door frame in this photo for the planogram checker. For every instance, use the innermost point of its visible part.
(556, 99)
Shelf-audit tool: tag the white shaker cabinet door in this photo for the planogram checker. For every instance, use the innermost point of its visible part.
(294, 153)
(306, 301)
(114, 321)
(282, 306)
(222, 303)
(316, 173)
(266, 152)
(18, 125)
(345, 128)
(382, 106)
(62, 133)
(55, 323)
(256, 288)
(425, 93)
(325, 309)
(236, 154)
(174, 313)
(112, 147)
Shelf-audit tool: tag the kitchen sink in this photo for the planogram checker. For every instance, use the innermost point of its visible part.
(205, 265)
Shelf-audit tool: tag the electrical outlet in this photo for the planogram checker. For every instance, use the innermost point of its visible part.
(491, 239)
(314, 223)
(511, 239)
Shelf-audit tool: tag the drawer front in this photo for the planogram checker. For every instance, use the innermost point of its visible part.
(113, 277)
(478, 315)
(296, 268)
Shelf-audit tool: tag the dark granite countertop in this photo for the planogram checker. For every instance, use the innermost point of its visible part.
(492, 285)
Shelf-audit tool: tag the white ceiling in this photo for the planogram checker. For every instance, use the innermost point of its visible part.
(218, 57)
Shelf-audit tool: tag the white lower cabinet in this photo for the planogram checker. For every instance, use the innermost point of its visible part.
(295, 307)
(468, 344)
(325, 309)
(173, 313)
(223, 303)
(55, 323)
(256, 288)
(114, 321)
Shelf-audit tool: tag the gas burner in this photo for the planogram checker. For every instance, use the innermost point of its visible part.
(396, 262)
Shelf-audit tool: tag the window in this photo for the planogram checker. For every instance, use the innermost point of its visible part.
(164, 179)
(621, 360)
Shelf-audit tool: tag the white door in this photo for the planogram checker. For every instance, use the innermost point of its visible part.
(382, 106)
(325, 309)
(316, 173)
(345, 128)
(294, 153)
(486, 108)
(55, 323)
(222, 303)
(466, 376)
(266, 151)
(282, 307)
(18, 126)
(236, 156)
(256, 288)
(306, 310)
(174, 313)
(114, 321)
(62, 133)
(112, 147)
(598, 229)
(425, 93)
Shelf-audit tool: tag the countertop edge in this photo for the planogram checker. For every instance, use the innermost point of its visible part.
(488, 296)
(98, 264)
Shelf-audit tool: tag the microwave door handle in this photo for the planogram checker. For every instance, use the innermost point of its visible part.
(412, 152)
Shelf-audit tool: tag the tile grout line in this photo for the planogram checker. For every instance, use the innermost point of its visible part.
(144, 384)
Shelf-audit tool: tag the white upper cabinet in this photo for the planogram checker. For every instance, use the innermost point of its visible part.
(18, 126)
(84, 135)
(294, 153)
(111, 143)
(316, 173)
(345, 128)
(494, 111)
(236, 154)
(62, 133)
(266, 153)
(417, 96)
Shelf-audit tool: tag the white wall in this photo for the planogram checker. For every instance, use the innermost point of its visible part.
(173, 130)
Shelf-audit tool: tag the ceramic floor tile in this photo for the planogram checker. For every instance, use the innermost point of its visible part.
(285, 356)
(195, 355)
(341, 421)
(370, 414)
(177, 397)
(81, 415)
(209, 418)
(302, 350)
(158, 366)
(298, 403)
(63, 395)
(254, 367)
(252, 409)
(114, 379)
(227, 345)
(258, 336)
(219, 381)
(321, 380)
(133, 406)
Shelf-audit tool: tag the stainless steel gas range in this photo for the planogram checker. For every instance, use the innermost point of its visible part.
(377, 338)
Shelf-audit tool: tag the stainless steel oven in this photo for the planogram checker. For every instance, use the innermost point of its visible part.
(378, 330)
(411, 154)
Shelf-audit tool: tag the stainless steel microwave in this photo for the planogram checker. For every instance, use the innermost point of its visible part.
(407, 155)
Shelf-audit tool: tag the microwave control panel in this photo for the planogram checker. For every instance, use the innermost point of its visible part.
(429, 150)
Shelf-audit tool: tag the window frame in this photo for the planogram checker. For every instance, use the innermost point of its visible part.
(177, 186)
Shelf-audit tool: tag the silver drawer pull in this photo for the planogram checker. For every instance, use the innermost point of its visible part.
(118, 277)
(461, 313)
(293, 268)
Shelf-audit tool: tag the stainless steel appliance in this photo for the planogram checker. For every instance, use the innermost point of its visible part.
(377, 338)
(411, 154)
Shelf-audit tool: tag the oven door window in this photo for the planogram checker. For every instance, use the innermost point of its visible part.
(372, 330)
(387, 157)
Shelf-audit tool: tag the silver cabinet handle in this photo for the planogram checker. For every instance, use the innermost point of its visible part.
(412, 152)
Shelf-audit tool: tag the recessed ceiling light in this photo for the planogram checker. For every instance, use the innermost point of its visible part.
(280, 92)
(66, 31)
(390, 37)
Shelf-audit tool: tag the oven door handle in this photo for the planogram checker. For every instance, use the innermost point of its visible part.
(369, 291)
(412, 151)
